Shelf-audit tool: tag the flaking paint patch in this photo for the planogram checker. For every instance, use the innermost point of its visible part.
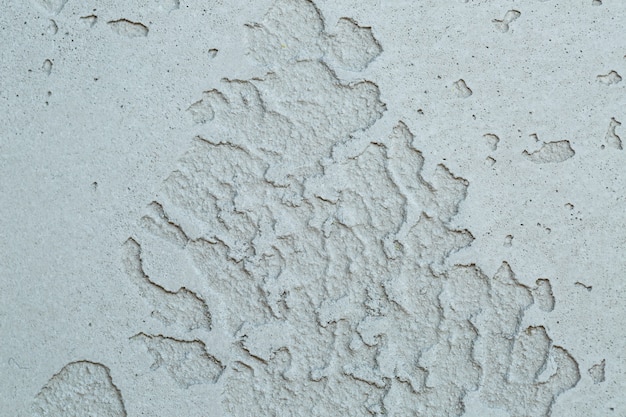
(328, 273)
(550, 152)
(325, 275)
(79, 389)
(128, 28)
(186, 361)
(182, 307)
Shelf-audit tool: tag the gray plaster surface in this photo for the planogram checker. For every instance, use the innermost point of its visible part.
(288, 208)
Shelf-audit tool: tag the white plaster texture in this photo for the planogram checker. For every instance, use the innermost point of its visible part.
(289, 208)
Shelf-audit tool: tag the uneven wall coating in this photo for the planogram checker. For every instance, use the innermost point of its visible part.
(323, 255)
(298, 262)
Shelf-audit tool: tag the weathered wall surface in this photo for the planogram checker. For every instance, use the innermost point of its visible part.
(297, 208)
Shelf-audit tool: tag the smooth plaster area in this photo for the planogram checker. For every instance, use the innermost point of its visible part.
(297, 208)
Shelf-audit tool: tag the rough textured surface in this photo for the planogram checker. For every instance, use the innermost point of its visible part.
(187, 362)
(550, 152)
(325, 256)
(80, 389)
(597, 372)
(312, 209)
(182, 307)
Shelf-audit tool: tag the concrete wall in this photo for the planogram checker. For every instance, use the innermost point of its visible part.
(289, 208)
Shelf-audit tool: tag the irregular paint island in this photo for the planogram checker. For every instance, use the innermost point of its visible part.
(323, 272)
(79, 389)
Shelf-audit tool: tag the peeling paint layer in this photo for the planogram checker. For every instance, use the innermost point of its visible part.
(323, 258)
